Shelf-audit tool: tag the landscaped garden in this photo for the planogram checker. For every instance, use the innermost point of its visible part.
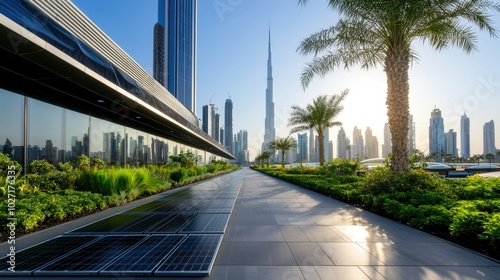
(463, 211)
(49, 195)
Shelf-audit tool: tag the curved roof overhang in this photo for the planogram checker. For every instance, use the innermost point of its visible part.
(31, 66)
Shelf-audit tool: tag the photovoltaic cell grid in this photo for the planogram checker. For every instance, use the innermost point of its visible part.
(195, 256)
(36, 256)
(178, 234)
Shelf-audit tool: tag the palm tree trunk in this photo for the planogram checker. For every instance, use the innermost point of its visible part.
(283, 158)
(396, 68)
(321, 139)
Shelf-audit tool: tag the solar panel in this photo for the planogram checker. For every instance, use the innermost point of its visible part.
(206, 223)
(171, 224)
(108, 224)
(221, 203)
(90, 259)
(216, 210)
(142, 259)
(148, 206)
(38, 255)
(194, 256)
(142, 224)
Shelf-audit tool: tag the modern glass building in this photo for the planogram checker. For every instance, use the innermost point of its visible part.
(67, 89)
(174, 54)
(489, 138)
(465, 136)
(228, 126)
(436, 134)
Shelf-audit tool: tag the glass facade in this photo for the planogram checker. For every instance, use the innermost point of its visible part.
(59, 135)
(181, 44)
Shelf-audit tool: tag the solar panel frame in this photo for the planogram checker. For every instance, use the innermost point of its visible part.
(143, 259)
(172, 224)
(200, 251)
(88, 262)
(48, 251)
(207, 223)
(108, 224)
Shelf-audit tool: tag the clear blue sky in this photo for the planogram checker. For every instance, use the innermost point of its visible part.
(232, 56)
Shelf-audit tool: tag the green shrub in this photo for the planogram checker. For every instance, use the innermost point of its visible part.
(384, 180)
(491, 231)
(5, 162)
(180, 175)
(41, 167)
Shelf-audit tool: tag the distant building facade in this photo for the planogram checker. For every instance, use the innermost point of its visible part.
(436, 134)
(489, 138)
(450, 143)
(174, 54)
(465, 136)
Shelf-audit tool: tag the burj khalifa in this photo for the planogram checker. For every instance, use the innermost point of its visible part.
(270, 132)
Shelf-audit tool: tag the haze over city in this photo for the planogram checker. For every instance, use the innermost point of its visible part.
(232, 55)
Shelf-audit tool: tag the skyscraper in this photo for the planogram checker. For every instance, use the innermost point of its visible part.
(411, 135)
(465, 136)
(342, 144)
(228, 124)
(489, 138)
(216, 128)
(174, 54)
(436, 134)
(302, 147)
(387, 146)
(209, 120)
(269, 134)
(450, 143)
(312, 147)
(358, 147)
(371, 144)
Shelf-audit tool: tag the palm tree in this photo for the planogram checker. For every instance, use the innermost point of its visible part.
(264, 156)
(318, 116)
(283, 144)
(489, 157)
(372, 33)
(476, 157)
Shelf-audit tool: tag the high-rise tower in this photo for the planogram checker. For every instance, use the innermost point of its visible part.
(465, 136)
(436, 134)
(228, 125)
(489, 138)
(270, 132)
(174, 54)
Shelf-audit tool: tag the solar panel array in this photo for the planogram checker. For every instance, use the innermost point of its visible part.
(178, 234)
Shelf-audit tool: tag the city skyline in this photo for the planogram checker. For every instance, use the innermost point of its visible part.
(231, 60)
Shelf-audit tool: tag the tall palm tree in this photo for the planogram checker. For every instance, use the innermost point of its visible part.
(372, 33)
(282, 144)
(318, 116)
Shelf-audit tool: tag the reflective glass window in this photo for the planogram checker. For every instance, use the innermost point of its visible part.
(107, 141)
(12, 125)
(76, 139)
(45, 139)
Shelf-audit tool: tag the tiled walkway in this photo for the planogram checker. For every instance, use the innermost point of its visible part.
(280, 231)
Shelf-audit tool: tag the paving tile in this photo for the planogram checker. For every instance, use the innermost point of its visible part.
(341, 273)
(470, 272)
(391, 254)
(372, 273)
(348, 254)
(280, 272)
(363, 234)
(321, 233)
(309, 254)
(263, 233)
(243, 272)
(293, 234)
(309, 273)
(256, 220)
(411, 273)
(280, 254)
(250, 254)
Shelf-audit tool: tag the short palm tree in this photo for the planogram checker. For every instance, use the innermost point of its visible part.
(282, 144)
(372, 33)
(318, 116)
(264, 156)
